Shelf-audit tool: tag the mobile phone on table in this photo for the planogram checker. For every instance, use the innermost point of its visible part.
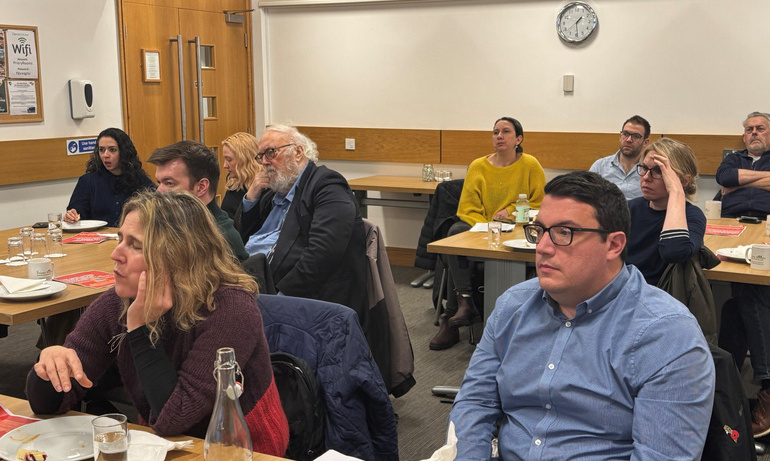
(749, 219)
(40, 225)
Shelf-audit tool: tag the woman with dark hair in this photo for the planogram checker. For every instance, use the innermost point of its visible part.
(490, 191)
(113, 174)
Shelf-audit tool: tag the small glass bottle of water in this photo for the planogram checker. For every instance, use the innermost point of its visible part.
(522, 209)
(427, 172)
(227, 437)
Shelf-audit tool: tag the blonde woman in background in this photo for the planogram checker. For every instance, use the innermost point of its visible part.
(239, 151)
(666, 227)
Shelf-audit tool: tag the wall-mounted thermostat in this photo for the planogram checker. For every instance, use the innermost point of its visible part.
(81, 99)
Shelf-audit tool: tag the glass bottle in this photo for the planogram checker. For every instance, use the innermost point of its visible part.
(227, 437)
(427, 172)
(522, 209)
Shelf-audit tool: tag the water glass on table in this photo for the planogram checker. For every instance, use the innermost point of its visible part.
(110, 437)
(26, 237)
(494, 234)
(38, 244)
(54, 244)
(16, 252)
(54, 221)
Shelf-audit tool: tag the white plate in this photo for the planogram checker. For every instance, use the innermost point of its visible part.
(733, 254)
(519, 244)
(82, 225)
(53, 288)
(68, 438)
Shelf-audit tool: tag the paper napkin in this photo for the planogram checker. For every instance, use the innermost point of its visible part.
(144, 446)
(17, 285)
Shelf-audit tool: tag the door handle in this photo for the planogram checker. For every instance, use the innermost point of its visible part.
(197, 42)
(180, 63)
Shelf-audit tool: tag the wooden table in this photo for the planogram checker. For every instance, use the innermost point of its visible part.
(384, 183)
(503, 267)
(506, 267)
(80, 257)
(729, 271)
(21, 408)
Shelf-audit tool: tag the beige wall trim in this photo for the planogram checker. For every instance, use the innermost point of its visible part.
(39, 160)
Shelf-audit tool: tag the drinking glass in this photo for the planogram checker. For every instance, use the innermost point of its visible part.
(26, 237)
(16, 252)
(110, 437)
(54, 221)
(54, 244)
(494, 234)
(38, 244)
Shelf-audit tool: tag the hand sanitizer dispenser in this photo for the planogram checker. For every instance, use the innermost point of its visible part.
(81, 99)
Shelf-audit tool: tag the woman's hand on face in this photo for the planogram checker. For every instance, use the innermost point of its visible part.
(502, 214)
(58, 364)
(261, 182)
(142, 311)
(72, 216)
(670, 179)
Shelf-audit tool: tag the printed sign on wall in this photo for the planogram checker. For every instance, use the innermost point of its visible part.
(22, 53)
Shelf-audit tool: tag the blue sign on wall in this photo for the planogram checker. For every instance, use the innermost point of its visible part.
(81, 146)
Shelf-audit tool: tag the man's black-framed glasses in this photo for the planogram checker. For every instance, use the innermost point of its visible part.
(560, 235)
(627, 134)
(270, 152)
(643, 169)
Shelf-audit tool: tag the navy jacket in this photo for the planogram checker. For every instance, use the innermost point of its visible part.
(359, 417)
(745, 201)
(321, 250)
(100, 195)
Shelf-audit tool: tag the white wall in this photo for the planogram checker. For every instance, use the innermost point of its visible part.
(76, 39)
(684, 65)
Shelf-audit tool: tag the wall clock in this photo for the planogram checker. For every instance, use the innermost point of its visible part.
(576, 22)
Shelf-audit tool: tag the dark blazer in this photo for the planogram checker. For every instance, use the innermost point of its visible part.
(321, 250)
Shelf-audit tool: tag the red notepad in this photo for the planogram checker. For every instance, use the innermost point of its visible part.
(9, 421)
(729, 230)
(85, 237)
(91, 279)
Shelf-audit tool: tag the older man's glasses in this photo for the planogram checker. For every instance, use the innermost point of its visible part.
(270, 152)
(627, 134)
(643, 169)
(560, 235)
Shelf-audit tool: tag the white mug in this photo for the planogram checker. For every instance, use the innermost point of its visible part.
(41, 268)
(713, 209)
(759, 256)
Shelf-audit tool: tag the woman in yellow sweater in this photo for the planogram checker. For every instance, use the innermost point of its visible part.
(492, 186)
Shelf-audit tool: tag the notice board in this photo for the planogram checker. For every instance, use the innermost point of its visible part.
(21, 94)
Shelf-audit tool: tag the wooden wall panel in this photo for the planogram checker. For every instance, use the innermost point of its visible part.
(377, 145)
(708, 148)
(39, 160)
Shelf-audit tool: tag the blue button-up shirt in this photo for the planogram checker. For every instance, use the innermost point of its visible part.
(264, 239)
(610, 169)
(630, 377)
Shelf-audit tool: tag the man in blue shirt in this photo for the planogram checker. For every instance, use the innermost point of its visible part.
(620, 167)
(587, 361)
(745, 181)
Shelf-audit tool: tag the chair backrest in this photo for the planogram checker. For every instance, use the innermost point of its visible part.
(359, 417)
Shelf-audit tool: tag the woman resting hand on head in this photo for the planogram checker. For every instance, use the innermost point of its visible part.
(178, 297)
(665, 226)
(239, 151)
(113, 174)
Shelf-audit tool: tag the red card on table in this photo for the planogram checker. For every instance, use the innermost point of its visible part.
(9, 421)
(85, 237)
(729, 230)
(91, 279)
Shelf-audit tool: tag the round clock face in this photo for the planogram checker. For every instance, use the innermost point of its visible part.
(576, 22)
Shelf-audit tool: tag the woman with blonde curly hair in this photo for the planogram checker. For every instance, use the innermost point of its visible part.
(665, 226)
(178, 297)
(239, 151)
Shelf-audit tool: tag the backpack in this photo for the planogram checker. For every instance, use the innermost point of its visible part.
(303, 405)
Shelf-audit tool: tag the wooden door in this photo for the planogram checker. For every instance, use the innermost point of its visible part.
(153, 109)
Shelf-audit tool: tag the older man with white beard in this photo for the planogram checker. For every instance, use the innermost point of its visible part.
(304, 217)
